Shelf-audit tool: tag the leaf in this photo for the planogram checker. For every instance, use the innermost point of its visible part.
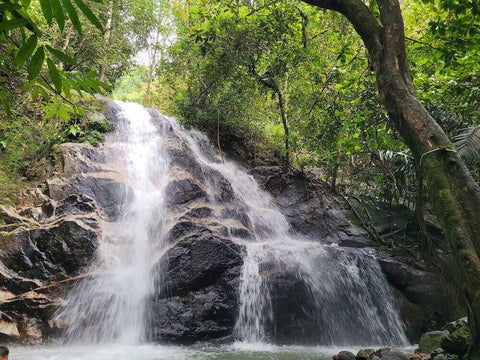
(47, 10)
(467, 142)
(36, 63)
(26, 50)
(89, 14)
(58, 13)
(60, 55)
(54, 75)
(10, 7)
(6, 106)
(72, 14)
(12, 24)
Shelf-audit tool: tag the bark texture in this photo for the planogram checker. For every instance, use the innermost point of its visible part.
(102, 71)
(452, 190)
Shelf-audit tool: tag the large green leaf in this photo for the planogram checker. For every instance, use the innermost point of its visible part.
(58, 13)
(72, 14)
(26, 50)
(61, 56)
(89, 14)
(36, 63)
(47, 10)
(12, 23)
(54, 75)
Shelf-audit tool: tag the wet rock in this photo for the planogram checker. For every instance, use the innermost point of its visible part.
(389, 354)
(364, 354)
(206, 314)
(294, 310)
(63, 248)
(431, 341)
(198, 261)
(344, 355)
(424, 300)
(418, 356)
(183, 191)
(394, 355)
(74, 204)
(309, 209)
(196, 292)
(109, 192)
(31, 333)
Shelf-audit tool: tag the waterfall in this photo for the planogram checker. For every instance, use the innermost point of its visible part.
(349, 300)
(109, 306)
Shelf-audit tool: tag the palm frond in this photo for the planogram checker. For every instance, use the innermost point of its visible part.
(467, 142)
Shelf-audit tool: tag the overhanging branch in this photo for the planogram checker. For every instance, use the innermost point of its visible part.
(362, 19)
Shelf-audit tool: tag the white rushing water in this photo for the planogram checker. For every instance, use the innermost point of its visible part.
(351, 301)
(111, 306)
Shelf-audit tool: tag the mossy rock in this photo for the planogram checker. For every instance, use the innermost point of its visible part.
(431, 341)
(459, 340)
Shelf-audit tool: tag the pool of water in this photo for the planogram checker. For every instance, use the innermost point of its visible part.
(161, 352)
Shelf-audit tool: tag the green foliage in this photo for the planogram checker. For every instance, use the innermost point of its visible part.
(21, 30)
(467, 142)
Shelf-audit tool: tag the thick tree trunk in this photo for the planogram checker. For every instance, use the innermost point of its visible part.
(102, 71)
(452, 190)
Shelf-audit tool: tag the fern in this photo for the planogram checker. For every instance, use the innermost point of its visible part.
(467, 142)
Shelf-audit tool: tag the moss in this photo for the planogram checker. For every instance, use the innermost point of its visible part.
(431, 341)
(458, 341)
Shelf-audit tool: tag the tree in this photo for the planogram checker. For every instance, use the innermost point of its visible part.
(102, 72)
(452, 190)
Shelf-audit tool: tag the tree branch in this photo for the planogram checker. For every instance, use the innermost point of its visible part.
(362, 19)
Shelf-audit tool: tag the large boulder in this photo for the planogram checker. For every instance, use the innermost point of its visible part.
(431, 341)
(196, 290)
(344, 355)
(425, 300)
(459, 338)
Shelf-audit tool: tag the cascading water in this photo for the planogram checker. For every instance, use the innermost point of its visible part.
(350, 302)
(109, 306)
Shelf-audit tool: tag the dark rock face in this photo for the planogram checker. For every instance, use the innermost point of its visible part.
(90, 171)
(426, 302)
(183, 191)
(41, 248)
(196, 292)
(48, 252)
(292, 323)
(309, 209)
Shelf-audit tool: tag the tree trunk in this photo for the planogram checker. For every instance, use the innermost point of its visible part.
(151, 68)
(283, 114)
(453, 192)
(102, 71)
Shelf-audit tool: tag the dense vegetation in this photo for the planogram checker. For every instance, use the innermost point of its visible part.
(278, 82)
